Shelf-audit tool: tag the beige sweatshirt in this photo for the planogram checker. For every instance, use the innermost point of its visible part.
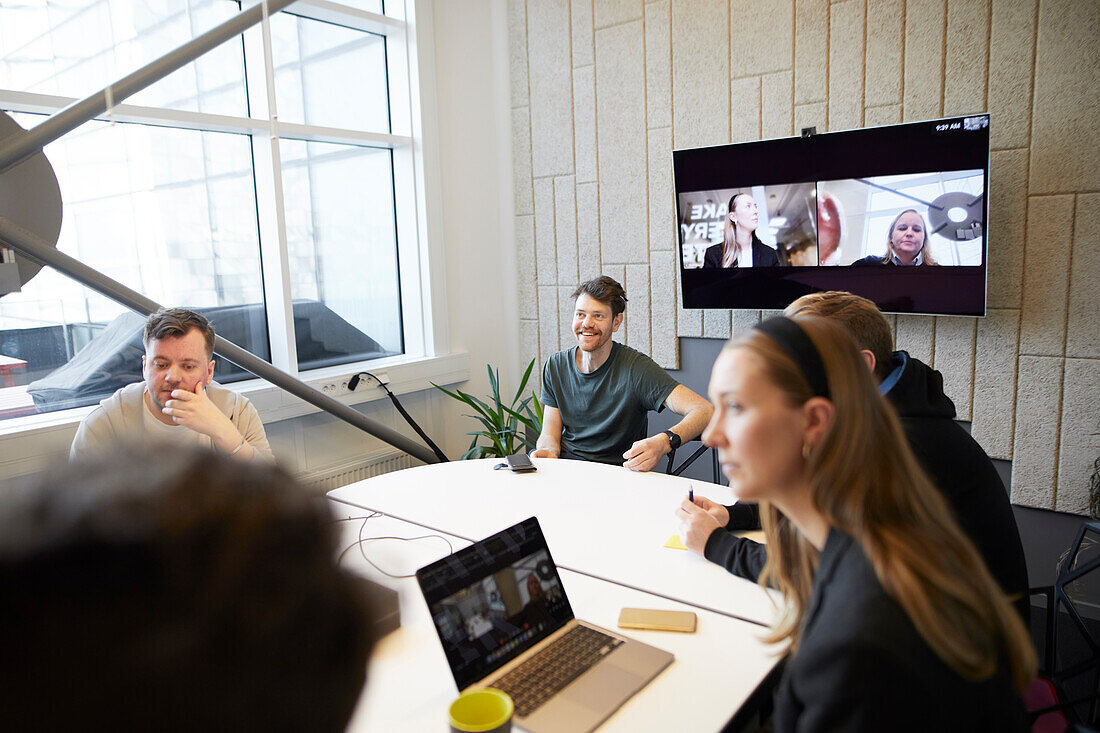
(124, 415)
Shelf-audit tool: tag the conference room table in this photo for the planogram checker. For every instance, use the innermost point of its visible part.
(720, 672)
(604, 521)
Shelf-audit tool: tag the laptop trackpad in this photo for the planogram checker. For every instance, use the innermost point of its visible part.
(604, 687)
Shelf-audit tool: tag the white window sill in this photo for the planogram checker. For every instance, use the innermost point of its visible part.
(404, 374)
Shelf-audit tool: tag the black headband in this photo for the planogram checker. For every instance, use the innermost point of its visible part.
(797, 345)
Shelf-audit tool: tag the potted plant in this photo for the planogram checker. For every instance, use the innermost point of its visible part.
(508, 429)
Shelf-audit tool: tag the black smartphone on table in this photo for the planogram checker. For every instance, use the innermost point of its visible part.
(521, 463)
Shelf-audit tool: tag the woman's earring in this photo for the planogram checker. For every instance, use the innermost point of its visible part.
(806, 451)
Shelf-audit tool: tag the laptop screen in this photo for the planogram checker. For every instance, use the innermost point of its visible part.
(494, 600)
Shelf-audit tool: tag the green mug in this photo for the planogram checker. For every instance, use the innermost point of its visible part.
(482, 711)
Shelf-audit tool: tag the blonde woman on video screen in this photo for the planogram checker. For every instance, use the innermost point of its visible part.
(906, 243)
(740, 247)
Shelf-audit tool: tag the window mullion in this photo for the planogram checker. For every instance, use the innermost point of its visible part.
(410, 65)
(274, 255)
(405, 196)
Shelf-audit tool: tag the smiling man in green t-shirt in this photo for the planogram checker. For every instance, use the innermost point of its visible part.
(597, 394)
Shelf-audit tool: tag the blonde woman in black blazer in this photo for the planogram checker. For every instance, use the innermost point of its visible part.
(740, 247)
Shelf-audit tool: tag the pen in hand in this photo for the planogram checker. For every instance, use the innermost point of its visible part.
(691, 495)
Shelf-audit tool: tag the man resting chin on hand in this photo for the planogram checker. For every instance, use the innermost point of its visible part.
(177, 403)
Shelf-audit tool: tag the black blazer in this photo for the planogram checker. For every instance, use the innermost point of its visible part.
(870, 260)
(762, 255)
(862, 666)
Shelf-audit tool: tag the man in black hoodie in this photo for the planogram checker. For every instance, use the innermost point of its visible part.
(953, 460)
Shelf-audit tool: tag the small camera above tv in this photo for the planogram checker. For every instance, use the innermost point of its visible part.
(897, 214)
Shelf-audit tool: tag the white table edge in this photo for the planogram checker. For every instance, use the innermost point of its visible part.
(694, 604)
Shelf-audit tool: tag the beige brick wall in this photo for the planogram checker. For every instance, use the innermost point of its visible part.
(603, 90)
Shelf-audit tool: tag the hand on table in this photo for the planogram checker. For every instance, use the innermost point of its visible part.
(543, 453)
(195, 411)
(644, 454)
(697, 524)
(713, 508)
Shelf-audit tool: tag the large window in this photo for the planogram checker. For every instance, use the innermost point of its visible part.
(271, 209)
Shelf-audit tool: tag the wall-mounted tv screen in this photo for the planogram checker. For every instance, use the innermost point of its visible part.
(896, 214)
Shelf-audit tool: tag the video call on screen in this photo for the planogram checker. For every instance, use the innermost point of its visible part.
(492, 601)
(826, 205)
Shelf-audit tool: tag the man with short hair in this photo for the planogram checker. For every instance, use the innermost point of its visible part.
(953, 460)
(597, 395)
(178, 402)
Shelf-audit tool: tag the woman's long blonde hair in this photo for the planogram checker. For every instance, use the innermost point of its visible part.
(925, 250)
(866, 483)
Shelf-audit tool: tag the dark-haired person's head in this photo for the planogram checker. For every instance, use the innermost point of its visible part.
(598, 312)
(606, 290)
(861, 317)
(176, 590)
(176, 323)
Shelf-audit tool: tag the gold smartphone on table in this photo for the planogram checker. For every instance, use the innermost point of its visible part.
(651, 618)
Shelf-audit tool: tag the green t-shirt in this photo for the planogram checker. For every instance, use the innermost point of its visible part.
(604, 412)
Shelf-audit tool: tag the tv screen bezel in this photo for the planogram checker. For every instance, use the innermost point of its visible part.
(927, 146)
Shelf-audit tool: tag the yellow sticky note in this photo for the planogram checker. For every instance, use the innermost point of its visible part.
(675, 543)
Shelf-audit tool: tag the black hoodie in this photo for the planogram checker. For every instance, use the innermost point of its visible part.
(955, 464)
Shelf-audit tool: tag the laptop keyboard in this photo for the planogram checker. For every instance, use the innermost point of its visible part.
(545, 674)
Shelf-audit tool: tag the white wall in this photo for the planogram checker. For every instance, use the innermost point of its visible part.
(474, 114)
(604, 90)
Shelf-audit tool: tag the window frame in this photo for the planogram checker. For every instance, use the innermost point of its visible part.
(413, 142)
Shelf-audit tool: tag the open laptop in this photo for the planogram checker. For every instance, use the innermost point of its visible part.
(501, 612)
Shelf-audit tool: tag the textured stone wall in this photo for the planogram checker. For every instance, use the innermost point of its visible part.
(604, 90)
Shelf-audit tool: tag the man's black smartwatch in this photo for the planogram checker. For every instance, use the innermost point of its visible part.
(673, 440)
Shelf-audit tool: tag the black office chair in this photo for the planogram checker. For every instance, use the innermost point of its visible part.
(691, 459)
(1059, 601)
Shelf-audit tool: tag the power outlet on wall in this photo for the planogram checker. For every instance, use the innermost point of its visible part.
(333, 387)
(338, 386)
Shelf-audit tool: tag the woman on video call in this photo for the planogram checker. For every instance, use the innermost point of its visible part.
(740, 246)
(893, 620)
(906, 243)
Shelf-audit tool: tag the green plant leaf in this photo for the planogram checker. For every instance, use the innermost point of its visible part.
(523, 382)
(494, 383)
(447, 392)
(513, 431)
(470, 400)
(524, 419)
(490, 428)
(481, 417)
(484, 409)
(481, 407)
(472, 453)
